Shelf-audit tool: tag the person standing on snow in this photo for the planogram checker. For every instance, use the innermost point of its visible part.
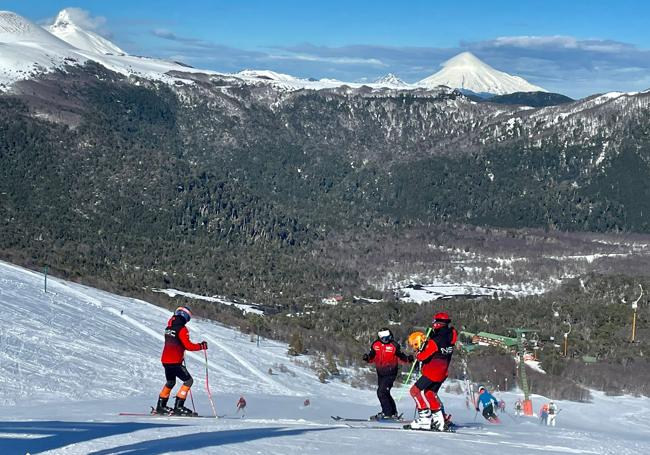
(489, 403)
(241, 406)
(519, 408)
(435, 354)
(551, 414)
(386, 354)
(177, 340)
(543, 414)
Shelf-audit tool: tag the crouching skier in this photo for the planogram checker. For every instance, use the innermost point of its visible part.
(177, 340)
(489, 405)
(435, 354)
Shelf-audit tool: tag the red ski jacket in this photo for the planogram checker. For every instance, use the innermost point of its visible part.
(436, 354)
(386, 356)
(177, 340)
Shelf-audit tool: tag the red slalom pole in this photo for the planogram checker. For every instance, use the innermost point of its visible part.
(207, 385)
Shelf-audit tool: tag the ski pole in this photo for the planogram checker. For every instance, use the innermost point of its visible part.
(408, 378)
(207, 385)
(190, 391)
(192, 400)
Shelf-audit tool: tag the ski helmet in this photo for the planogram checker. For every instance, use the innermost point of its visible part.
(184, 312)
(481, 388)
(441, 320)
(416, 340)
(385, 335)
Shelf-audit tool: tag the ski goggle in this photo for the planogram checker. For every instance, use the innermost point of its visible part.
(184, 312)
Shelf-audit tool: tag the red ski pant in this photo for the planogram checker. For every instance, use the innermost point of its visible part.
(425, 394)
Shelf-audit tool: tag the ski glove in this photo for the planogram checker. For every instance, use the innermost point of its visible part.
(365, 357)
(204, 345)
(410, 358)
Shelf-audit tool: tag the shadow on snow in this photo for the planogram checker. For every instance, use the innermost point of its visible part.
(202, 440)
(39, 436)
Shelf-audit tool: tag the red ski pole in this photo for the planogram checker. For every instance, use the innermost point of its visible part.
(207, 385)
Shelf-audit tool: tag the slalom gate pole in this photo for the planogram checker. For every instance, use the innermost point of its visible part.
(207, 385)
(408, 378)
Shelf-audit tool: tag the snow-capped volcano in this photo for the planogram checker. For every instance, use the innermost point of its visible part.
(392, 81)
(466, 71)
(28, 50)
(65, 28)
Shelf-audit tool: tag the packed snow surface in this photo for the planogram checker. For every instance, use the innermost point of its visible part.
(466, 71)
(75, 357)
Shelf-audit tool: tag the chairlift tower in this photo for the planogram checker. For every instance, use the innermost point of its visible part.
(523, 378)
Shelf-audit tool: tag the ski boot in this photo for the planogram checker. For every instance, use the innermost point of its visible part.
(438, 421)
(181, 410)
(161, 407)
(449, 425)
(423, 422)
(377, 417)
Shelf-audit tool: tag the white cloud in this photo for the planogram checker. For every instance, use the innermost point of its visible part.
(85, 20)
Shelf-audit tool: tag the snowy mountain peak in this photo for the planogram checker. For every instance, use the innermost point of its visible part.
(391, 80)
(17, 29)
(465, 59)
(65, 28)
(63, 19)
(468, 72)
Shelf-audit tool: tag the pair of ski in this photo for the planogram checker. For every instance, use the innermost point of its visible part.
(177, 416)
(406, 426)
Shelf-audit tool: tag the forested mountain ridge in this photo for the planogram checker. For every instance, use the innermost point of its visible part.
(218, 183)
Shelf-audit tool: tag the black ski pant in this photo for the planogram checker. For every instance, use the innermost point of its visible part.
(488, 411)
(384, 384)
(177, 370)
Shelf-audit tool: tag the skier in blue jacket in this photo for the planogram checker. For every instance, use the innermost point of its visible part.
(489, 404)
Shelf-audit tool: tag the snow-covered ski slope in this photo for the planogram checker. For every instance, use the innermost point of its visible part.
(71, 359)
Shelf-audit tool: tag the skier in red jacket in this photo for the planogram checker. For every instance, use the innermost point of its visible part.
(435, 354)
(177, 340)
(386, 354)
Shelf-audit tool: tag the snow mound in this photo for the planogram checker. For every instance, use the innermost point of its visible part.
(65, 29)
(466, 71)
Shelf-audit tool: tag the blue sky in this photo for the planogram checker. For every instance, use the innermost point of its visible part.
(575, 47)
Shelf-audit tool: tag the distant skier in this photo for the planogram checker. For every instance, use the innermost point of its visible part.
(489, 403)
(386, 354)
(502, 406)
(543, 414)
(177, 340)
(519, 408)
(552, 413)
(435, 354)
(241, 406)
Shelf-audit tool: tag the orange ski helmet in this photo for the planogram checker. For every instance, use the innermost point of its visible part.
(416, 340)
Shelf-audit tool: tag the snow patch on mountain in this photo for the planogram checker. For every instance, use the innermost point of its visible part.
(465, 71)
(65, 28)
